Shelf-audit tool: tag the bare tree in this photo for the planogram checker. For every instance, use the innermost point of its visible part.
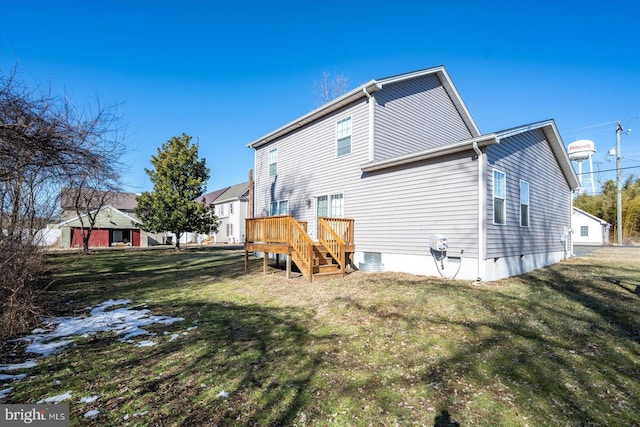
(329, 87)
(46, 142)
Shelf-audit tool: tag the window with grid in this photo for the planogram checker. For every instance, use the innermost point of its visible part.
(279, 207)
(499, 197)
(273, 162)
(524, 204)
(584, 231)
(343, 136)
(336, 206)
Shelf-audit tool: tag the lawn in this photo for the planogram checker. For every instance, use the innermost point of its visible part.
(558, 346)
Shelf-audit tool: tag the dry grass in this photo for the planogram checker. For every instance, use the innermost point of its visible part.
(559, 346)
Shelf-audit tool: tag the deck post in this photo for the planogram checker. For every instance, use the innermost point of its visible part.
(288, 266)
(246, 261)
(265, 262)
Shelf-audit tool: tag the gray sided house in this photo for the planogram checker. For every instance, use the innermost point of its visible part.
(231, 209)
(404, 159)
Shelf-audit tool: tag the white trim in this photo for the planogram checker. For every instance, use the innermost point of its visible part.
(528, 204)
(371, 87)
(278, 202)
(431, 153)
(63, 223)
(555, 142)
(348, 119)
(275, 151)
(493, 197)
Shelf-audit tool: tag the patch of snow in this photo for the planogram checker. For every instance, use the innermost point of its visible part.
(139, 414)
(15, 366)
(123, 321)
(6, 392)
(223, 394)
(174, 336)
(89, 399)
(48, 348)
(56, 399)
(128, 322)
(91, 414)
(57, 382)
(192, 328)
(12, 378)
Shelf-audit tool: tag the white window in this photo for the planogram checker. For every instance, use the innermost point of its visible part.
(231, 208)
(499, 197)
(322, 208)
(524, 204)
(330, 206)
(273, 162)
(336, 207)
(584, 231)
(343, 136)
(279, 207)
(221, 210)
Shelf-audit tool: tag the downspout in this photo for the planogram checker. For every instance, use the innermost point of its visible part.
(371, 122)
(481, 211)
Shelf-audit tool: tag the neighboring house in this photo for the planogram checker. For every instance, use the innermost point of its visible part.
(124, 202)
(112, 228)
(230, 206)
(404, 159)
(589, 229)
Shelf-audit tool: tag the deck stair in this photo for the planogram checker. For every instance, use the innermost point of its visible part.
(329, 257)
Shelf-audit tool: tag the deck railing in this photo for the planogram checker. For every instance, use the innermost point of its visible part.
(283, 229)
(272, 229)
(343, 227)
(335, 234)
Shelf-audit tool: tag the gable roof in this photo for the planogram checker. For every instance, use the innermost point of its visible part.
(547, 126)
(213, 196)
(233, 193)
(116, 199)
(557, 147)
(106, 207)
(588, 215)
(366, 90)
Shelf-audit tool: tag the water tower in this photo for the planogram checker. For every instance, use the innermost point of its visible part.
(579, 151)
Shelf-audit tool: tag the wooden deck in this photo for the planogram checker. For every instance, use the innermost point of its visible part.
(329, 257)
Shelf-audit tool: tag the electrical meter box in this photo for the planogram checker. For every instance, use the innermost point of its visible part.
(438, 242)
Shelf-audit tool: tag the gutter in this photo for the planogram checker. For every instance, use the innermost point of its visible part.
(371, 123)
(482, 205)
(443, 150)
(346, 99)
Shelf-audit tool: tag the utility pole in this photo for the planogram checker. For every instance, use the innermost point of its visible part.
(618, 185)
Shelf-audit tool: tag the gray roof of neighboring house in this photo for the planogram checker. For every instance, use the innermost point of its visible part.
(103, 208)
(211, 197)
(118, 200)
(233, 193)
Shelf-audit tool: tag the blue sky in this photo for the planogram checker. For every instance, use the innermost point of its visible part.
(228, 72)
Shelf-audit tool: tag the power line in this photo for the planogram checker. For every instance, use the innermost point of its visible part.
(611, 170)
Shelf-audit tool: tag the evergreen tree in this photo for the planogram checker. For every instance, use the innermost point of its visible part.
(179, 179)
